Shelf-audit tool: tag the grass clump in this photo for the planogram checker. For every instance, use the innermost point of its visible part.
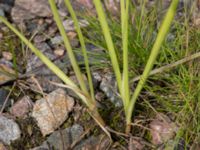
(173, 85)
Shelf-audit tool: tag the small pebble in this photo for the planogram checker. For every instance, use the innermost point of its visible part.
(7, 55)
(39, 38)
(59, 52)
(49, 21)
(21, 108)
(71, 35)
(40, 21)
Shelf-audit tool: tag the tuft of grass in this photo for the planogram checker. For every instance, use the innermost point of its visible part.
(173, 91)
(122, 82)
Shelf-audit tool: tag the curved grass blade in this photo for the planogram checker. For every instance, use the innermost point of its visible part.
(109, 42)
(44, 59)
(68, 46)
(83, 47)
(70, 84)
(155, 50)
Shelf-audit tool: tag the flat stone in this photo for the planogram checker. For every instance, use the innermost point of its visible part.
(58, 138)
(9, 130)
(29, 9)
(21, 108)
(69, 135)
(51, 111)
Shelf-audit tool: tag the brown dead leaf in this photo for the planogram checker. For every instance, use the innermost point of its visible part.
(6, 74)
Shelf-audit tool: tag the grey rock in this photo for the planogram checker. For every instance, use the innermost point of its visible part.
(109, 87)
(56, 40)
(43, 77)
(6, 5)
(9, 130)
(95, 55)
(69, 135)
(43, 74)
(6, 62)
(62, 9)
(2, 13)
(58, 138)
(34, 61)
(24, 10)
(39, 38)
(7, 2)
(69, 24)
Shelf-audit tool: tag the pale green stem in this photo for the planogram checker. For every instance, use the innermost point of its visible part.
(155, 50)
(82, 42)
(109, 42)
(68, 46)
(125, 80)
(122, 7)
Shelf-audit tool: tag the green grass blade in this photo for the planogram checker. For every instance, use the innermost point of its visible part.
(125, 77)
(68, 46)
(83, 47)
(122, 7)
(155, 50)
(109, 42)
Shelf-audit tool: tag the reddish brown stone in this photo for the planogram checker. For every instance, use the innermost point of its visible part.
(21, 108)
